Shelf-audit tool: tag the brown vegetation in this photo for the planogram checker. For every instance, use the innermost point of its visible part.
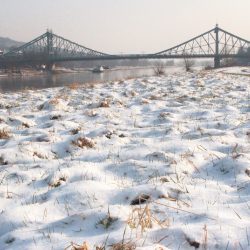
(4, 134)
(104, 104)
(159, 68)
(74, 86)
(83, 142)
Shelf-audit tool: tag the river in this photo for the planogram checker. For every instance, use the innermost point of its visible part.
(19, 83)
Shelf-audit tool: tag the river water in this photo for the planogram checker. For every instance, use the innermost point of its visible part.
(18, 83)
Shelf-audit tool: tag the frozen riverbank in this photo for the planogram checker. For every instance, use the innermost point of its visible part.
(75, 162)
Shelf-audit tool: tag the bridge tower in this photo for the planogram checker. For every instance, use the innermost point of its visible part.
(217, 52)
(49, 52)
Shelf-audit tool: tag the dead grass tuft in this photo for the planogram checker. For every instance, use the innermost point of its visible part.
(58, 182)
(154, 97)
(74, 246)
(104, 104)
(74, 85)
(39, 155)
(4, 134)
(140, 218)
(133, 93)
(83, 142)
(123, 246)
(145, 101)
(54, 101)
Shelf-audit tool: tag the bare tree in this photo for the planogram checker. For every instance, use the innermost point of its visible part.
(188, 63)
(159, 68)
(227, 62)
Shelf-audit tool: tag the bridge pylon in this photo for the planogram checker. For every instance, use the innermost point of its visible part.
(217, 44)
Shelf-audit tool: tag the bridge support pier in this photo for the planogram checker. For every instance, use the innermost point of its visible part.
(217, 44)
(217, 62)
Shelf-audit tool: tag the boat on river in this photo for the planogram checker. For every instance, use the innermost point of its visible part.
(98, 69)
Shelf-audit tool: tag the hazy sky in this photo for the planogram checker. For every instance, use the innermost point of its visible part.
(129, 26)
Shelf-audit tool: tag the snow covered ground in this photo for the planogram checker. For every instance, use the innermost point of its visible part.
(76, 162)
(236, 70)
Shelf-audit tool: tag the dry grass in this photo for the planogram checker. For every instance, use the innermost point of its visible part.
(104, 104)
(123, 246)
(58, 182)
(145, 101)
(154, 97)
(4, 134)
(99, 248)
(159, 68)
(54, 101)
(117, 246)
(83, 142)
(74, 246)
(39, 155)
(133, 93)
(140, 218)
(74, 86)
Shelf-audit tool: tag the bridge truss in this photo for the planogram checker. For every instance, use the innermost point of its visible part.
(50, 48)
(215, 43)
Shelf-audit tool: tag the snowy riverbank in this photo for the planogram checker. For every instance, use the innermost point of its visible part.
(74, 162)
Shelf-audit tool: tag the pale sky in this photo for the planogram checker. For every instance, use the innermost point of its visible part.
(129, 26)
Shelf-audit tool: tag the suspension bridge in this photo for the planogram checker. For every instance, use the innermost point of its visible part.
(50, 48)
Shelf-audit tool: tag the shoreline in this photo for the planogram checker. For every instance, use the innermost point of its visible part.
(61, 71)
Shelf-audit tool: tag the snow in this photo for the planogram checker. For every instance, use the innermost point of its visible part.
(76, 158)
(237, 70)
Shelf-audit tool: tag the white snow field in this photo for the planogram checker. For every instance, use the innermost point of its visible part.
(151, 163)
(236, 70)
